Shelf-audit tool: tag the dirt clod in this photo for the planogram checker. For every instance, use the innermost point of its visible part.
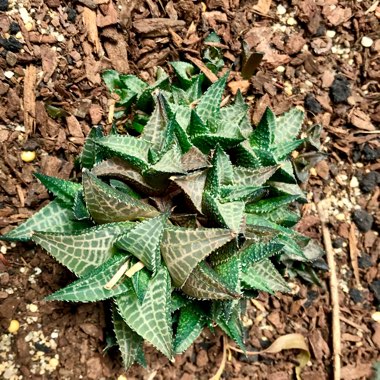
(363, 220)
(312, 104)
(340, 89)
(369, 182)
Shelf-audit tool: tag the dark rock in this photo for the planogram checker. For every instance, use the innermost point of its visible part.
(312, 105)
(369, 182)
(71, 14)
(375, 288)
(356, 155)
(14, 28)
(338, 242)
(321, 31)
(40, 346)
(3, 5)
(370, 154)
(312, 295)
(365, 261)
(363, 220)
(340, 89)
(356, 295)
(11, 44)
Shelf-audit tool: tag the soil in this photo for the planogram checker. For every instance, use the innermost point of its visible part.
(321, 55)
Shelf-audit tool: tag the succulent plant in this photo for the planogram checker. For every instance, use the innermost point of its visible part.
(180, 218)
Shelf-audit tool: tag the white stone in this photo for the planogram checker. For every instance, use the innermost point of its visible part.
(291, 21)
(367, 41)
(280, 69)
(281, 10)
(354, 182)
(9, 74)
(331, 33)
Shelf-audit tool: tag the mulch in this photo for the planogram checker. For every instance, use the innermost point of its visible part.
(320, 55)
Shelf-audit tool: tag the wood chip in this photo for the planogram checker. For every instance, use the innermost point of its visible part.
(116, 49)
(30, 99)
(158, 26)
(49, 61)
(201, 66)
(89, 20)
(263, 6)
(354, 254)
(362, 120)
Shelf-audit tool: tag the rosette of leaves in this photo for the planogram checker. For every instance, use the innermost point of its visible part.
(180, 220)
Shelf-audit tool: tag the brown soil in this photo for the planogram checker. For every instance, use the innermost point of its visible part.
(55, 60)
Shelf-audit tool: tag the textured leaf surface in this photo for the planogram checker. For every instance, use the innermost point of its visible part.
(182, 249)
(264, 276)
(56, 216)
(131, 149)
(190, 325)
(62, 189)
(143, 241)
(107, 204)
(117, 168)
(253, 177)
(288, 126)
(83, 251)
(91, 154)
(193, 186)
(209, 106)
(252, 252)
(130, 343)
(204, 283)
(270, 204)
(151, 319)
(90, 287)
(263, 135)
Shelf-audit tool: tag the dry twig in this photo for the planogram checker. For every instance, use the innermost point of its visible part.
(336, 334)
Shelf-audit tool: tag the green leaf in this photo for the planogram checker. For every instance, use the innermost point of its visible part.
(190, 325)
(143, 241)
(233, 327)
(90, 287)
(253, 177)
(204, 283)
(253, 251)
(117, 168)
(208, 107)
(193, 185)
(268, 205)
(241, 193)
(263, 135)
(154, 130)
(107, 204)
(151, 319)
(170, 162)
(206, 142)
(140, 282)
(112, 79)
(79, 209)
(182, 249)
(178, 301)
(288, 126)
(263, 275)
(196, 125)
(184, 71)
(130, 343)
(56, 216)
(194, 159)
(228, 215)
(82, 251)
(131, 149)
(91, 154)
(62, 189)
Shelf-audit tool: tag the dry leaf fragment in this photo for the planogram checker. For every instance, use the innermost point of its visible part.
(361, 120)
(89, 20)
(30, 98)
(263, 6)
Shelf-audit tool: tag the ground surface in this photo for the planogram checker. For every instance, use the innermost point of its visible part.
(51, 57)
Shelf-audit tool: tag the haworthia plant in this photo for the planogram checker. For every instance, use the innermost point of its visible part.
(182, 219)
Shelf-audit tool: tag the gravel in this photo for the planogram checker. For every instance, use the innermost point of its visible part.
(11, 44)
(3, 5)
(375, 287)
(340, 89)
(369, 182)
(365, 261)
(363, 220)
(312, 105)
(356, 295)
(14, 28)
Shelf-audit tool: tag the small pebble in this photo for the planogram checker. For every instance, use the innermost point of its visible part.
(53, 362)
(340, 217)
(365, 261)
(331, 33)
(122, 377)
(14, 326)
(354, 182)
(356, 295)
(14, 28)
(363, 220)
(375, 288)
(33, 308)
(9, 74)
(281, 10)
(280, 69)
(3, 5)
(338, 242)
(291, 21)
(376, 316)
(312, 105)
(28, 156)
(367, 42)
